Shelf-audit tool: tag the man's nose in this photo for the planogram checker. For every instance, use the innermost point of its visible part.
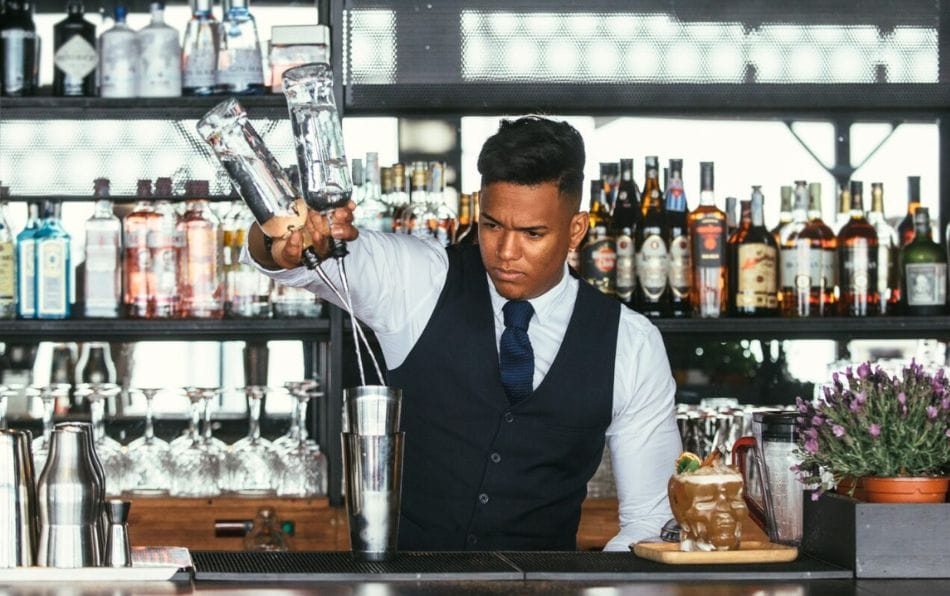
(508, 247)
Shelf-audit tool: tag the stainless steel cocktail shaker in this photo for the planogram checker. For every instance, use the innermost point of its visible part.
(17, 500)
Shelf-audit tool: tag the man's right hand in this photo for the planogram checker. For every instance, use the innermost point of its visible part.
(286, 252)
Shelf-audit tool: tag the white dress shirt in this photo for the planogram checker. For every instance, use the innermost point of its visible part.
(395, 282)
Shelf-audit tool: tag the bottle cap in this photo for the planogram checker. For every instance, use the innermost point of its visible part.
(706, 176)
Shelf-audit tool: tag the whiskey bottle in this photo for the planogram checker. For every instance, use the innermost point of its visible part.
(857, 257)
(677, 239)
(599, 253)
(707, 232)
(139, 282)
(796, 260)
(399, 198)
(732, 216)
(745, 221)
(888, 253)
(610, 176)
(809, 264)
(906, 229)
(102, 287)
(653, 259)
(626, 218)
(753, 261)
(75, 57)
(924, 264)
(785, 215)
(465, 219)
(843, 216)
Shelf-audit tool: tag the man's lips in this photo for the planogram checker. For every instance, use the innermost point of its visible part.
(507, 274)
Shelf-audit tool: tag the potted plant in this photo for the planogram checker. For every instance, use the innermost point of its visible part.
(891, 433)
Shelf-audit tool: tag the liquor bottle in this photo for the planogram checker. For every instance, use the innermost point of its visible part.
(240, 67)
(476, 215)
(385, 195)
(247, 291)
(138, 279)
(159, 70)
(420, 211)
(52, 265)
(796, 261)
(599, 252)
(785, 215)
(102, 287)
(165, 245)
(653, 259)
(677, 230)
(907, 227)
(356, 195)
(809, 263)
(843, 215)
(888, 252)
(75, 58)
(924, 264)
(7, 262)
(610, 176)
(199, 50)
(707, 231)
(26, 264)
(857, 258)
(732, 221)
(399, 198)
(371, 207)
(446, 220)
(118, 59)
(626, 217)
(19, 50)
(753, 265)
(200, 271)
(465, 219)
(745, 221)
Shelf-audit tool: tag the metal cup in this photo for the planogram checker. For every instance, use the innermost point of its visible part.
(372, 410)
(118, 549)
(372, 467)
(17, 500)
(68, 499)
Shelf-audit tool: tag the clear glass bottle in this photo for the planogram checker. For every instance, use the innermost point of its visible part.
(136, 261)
(102, 287)
(74, 58)
(7, 262)
(26, 264)
(857, 261)
(677, 238)
(443, 224)
(371, 207)
(707, 230)
(199, 269)
(385, 196)
(199, 52)
(19, 68)
(416, 217)
(53, 266)
(888, 252)
(164, 247)
(240, 67)
(754, 256)
(118, 58)
(159, 69)
(924, 264)
(247, 290)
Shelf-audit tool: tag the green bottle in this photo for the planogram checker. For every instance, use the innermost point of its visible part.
(924, 265)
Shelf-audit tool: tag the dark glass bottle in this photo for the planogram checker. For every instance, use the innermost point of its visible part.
(626, 219)
(599, 254)
(19, 50)
(905, 230)
(677, 239)
(75, 57)
(924, 265)
(707, 231)
(752, 265)
(857, 261)
(610, 176)
(653, 258)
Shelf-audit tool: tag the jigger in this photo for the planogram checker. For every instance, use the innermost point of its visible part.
(373, 470)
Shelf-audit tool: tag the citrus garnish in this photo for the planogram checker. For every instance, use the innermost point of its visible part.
(687, 462)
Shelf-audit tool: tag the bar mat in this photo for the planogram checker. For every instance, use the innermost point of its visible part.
(600, 566)
(342, 566)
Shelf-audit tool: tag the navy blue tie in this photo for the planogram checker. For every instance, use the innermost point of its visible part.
(516, 358)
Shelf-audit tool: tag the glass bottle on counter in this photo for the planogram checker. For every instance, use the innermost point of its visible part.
(599, 251)
(240, 67)
(159, 67)
(753, 261)
(20, 50)
(75, 57)
(907, 226)
(677, 238)
(118, 58)
(164, 247)
(785, 215)
(199, 268)
(924, 264)
(247, 290)
(102, 287)
(857, 261)
(707, 230)
(888, 252)
(199, 52)
(7, 262)
(653, 258)
(26, 264)
(136, 262)
(53, 265)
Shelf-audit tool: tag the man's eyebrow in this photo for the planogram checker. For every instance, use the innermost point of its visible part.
(537, 228)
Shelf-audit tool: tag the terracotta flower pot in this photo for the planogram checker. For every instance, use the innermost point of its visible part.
(847, 483)
(928, 489)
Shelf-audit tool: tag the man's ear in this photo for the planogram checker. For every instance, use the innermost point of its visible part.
(579, 223)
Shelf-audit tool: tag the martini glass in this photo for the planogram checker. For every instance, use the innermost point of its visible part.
(149, 456)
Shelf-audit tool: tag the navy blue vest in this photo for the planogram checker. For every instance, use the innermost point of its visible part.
(479, 473)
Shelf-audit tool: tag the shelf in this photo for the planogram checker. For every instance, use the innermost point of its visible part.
(113, 198)
(163, 330)
(44, 107)
(837, 328)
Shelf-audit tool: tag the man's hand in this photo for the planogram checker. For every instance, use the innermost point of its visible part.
(317, 233)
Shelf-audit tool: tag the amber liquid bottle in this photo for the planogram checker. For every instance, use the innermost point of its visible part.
(905, 230)
(139, 281)
(464, 229)
(753, 260)
(677, 239)
(653, 258)
(707, 232)
(599, 254)
(785, 215)
(809, 265)
(857, 258)
(888, 253)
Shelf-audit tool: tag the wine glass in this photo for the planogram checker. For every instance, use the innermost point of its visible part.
(252, 464)
(194, 467)
(149, 456)
(304, 473)
(48, 395)
(298, 426)
(115, 460)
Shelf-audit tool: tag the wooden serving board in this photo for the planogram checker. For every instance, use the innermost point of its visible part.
(749, 552)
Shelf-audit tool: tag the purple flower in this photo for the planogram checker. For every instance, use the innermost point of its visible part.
(848, 372)
(864, 370)
(836, 378)
(939, 375)
(817, 420)
(874, 430)
(932, 412)
(838, 430)
(811, 446)
(802, 406)
(815, 495)
(811, 433)
(902, 398)
(947, 433)
(945, 404)
(855, 406)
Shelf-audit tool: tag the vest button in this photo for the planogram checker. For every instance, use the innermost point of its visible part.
(471, 539)
(483, 499)
(495, 457)
(509, 417)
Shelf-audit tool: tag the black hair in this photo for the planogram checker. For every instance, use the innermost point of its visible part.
(532, 150)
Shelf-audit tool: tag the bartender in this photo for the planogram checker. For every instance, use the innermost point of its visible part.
(513, 371)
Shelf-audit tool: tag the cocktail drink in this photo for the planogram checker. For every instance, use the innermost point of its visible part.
(708, 505)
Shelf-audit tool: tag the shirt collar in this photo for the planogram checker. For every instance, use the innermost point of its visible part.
(543, 304)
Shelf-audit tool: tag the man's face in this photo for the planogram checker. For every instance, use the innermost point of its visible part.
(524, 234)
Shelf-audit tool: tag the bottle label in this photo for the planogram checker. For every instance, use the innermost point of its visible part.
(27, 278)
(599, 263)
(626, 270)
(709, 234)
(159, 63)
(860, 269)
(653, 265)
(239, 68)
(77, 58)
(199, 67)
(756, 279)
(52, 278)
(102, 287)
(679, 266)
(119, 72)
(926, 284)
(7, 273)
(805, 268)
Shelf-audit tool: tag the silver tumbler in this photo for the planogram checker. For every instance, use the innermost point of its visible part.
(68, 499)
(373, 470)
(371, 410)
(17, 500)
